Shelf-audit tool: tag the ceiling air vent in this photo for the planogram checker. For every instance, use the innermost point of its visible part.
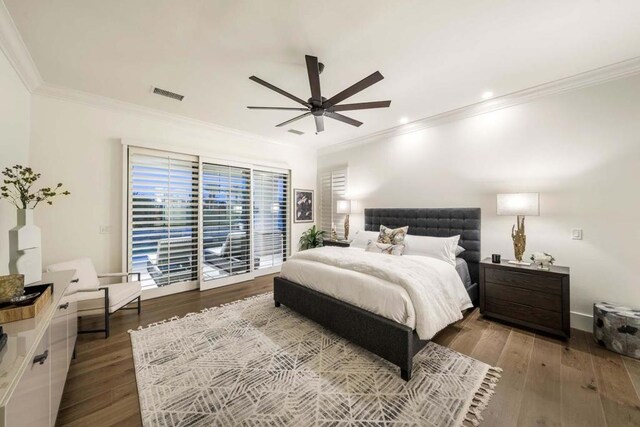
(168, 94)
(297, 132)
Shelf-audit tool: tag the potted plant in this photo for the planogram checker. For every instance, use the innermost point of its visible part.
(312, 238)
(24, 239)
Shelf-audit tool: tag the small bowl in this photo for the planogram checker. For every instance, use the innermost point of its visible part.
(11, 286)
(25, 299)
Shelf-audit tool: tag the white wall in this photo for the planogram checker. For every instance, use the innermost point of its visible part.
(14, 143)
(579, 150)
(80, 145)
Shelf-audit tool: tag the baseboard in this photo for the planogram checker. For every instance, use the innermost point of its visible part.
(582, 321)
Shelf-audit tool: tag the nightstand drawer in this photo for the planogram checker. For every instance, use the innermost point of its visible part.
(533, 282)
(523, 296)
(531, 315)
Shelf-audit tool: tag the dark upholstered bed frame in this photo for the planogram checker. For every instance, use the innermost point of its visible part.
(390, 340)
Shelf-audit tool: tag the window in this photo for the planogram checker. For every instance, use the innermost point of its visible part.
(270, 218)
(226, 221)
(195, 222)
(163, 217)
(333, 187)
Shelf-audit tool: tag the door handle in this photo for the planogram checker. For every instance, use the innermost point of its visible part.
(41, 357)
(64, 306)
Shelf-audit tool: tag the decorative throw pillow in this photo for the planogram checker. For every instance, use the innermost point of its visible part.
(393, 236)
(384, 248)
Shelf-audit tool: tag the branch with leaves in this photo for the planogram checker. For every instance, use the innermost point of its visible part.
(17, 188)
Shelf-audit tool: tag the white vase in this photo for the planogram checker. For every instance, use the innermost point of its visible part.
(25, 255)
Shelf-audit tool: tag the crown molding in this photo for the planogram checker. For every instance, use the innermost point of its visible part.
(589, 78)
(16, 51)
(103, 102)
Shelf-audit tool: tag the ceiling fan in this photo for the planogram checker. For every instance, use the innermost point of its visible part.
(318, 106)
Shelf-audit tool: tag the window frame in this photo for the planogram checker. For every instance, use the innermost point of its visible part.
(334, 216)
(142, 147)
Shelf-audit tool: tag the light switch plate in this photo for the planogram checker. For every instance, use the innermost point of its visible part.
(576, 233)
(105, 229)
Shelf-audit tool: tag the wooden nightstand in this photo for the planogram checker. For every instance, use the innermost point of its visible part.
(526, 295)
(341, 243)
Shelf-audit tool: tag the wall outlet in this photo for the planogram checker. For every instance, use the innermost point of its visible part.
(105, 229)
(576, 233)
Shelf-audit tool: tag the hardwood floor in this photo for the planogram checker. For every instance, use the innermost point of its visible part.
(545, 382)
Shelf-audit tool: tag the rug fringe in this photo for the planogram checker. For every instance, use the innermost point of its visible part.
(195, 313)
(481, 398)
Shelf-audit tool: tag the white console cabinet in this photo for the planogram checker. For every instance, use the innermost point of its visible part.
(36, 358)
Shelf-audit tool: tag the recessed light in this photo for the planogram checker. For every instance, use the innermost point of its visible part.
(487, 95)
(404, 120)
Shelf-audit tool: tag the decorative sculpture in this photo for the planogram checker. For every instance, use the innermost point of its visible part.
(346, 227)
(25, 256)
(519, 238)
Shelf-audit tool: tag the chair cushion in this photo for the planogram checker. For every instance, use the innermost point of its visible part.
(120, 294)
(85, 273)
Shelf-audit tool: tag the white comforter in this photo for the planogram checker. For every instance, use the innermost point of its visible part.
(434, 287)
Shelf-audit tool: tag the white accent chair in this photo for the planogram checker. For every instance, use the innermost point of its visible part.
(94, 298)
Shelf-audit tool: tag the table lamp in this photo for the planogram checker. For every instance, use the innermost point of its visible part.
(344, 207)
(520, 205)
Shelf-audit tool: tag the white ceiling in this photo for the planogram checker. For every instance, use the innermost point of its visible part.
(436, 56)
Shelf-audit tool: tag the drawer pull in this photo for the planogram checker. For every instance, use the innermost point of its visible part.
(64, 306)
(41, 357)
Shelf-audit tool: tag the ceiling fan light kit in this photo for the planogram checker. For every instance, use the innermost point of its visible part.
(320, 107)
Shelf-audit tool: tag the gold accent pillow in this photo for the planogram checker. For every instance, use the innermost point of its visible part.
(393, 236)
(384, 248)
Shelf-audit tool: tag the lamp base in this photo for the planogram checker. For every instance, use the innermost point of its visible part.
(346, 227)
(513, 261)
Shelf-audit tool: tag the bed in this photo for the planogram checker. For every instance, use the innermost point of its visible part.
(391, 335)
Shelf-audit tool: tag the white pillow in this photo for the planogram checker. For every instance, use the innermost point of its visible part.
(362, 237)
(442, 248)
(459, 250)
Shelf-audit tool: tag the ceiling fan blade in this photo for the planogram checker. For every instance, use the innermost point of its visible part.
(342, 118)
(280, 91)
(293, 120)
(360, 106)
(278, 108)
(319, 123)
(314, 77)
(352, 90)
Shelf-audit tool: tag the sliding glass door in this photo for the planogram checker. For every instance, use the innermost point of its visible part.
(195, 222)
(226, 223)
(163, 219)
(270, 219)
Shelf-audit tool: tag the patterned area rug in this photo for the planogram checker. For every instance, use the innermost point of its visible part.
(249, 363)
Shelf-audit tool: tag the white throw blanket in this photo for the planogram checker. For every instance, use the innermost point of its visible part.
(434, 286)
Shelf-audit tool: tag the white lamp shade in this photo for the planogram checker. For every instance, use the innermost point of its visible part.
(344, 207)
(514, 204)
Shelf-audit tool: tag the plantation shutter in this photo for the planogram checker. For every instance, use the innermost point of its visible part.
(226, 220)
(162, 217)
(270, 218)
(333, 187)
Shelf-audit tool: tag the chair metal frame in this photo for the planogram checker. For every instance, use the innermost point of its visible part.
(107, 314)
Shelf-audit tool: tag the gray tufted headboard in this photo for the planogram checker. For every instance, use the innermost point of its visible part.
(437, 222)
